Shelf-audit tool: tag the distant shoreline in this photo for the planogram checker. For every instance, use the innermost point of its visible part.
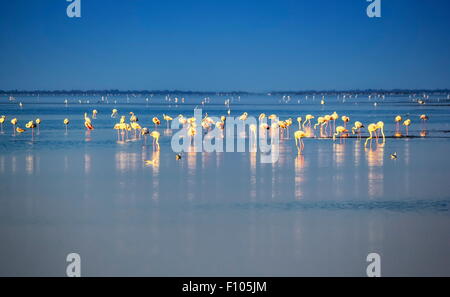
(225, 93)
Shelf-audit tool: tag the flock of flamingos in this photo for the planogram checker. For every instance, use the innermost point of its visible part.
(325, 124)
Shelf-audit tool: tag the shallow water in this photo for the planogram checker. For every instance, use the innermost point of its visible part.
(223, 214)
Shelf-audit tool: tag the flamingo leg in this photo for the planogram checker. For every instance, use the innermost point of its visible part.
(368, 138)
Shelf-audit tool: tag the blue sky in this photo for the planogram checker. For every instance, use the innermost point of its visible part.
(252, 45)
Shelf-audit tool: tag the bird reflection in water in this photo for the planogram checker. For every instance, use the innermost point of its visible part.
(29, 164)
(87, 163)
(300, 166)
(126, 161)
(191, 176)
(253, 177)
(87, 136)
(375, 179)
(155, 175)
(2, 164)
(339, 153)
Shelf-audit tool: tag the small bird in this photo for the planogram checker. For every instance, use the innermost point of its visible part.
(394, 156)
(94, 113)
(114, 113)
(178, 157)
(421, 102)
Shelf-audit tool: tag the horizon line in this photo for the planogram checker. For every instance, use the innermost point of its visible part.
(175, 91)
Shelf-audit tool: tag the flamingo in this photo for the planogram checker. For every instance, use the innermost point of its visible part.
(299, 135)
(191, 133)
(87, 122)
(397, 120)
(371, 128)
(334, 117)
(133, 117)
(299, 120)
(340, 130)
(320, 121)
(136, 127)
(38, 123)
(357, 127)
(308, 119)
(345, 119)
(167, 119)
(424, 119)
(243, 117)
(66, 123)
(272, 117)
(30, 125)
(156, 121)
(155, 135)
(380, 126)
(144, 133)
(2, 120)
(407, 123)
(261, 117)
(182, 120)
(14, 123)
